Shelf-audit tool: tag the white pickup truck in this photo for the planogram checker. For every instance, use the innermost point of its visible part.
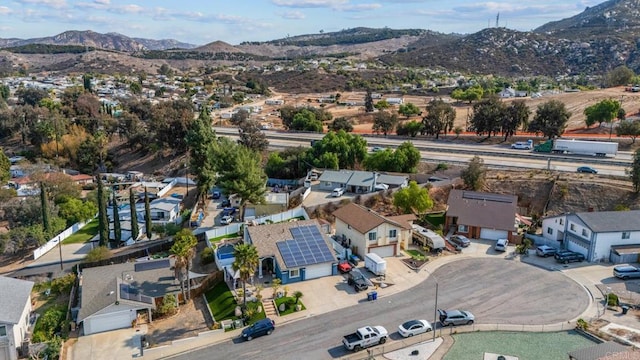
(365, 337)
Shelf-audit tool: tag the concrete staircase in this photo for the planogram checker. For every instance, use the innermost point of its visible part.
(269, 307)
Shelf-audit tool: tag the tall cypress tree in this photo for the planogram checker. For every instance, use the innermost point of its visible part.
(44, 205)
(103, 221)
(147, 213)
(117, 230)
(135, 230)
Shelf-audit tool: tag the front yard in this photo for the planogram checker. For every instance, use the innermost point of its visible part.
(83, 235)
(290, 305)
(223, 305)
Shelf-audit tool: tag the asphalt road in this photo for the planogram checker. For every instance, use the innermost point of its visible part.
(496, 291)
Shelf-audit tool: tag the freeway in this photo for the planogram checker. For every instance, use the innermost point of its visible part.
(494, 156)
(535, 297)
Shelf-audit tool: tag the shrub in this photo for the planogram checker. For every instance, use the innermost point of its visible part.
(97, 254)
(206, 256)
(168, 306)
(612, 300)
(63, 284)
(49, 323)
(442, 166)
(581, 324)
(172, 229)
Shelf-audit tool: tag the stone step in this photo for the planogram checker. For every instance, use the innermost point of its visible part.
(269, 308)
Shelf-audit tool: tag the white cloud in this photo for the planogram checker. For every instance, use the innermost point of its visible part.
(358, 7)
(310, 3)
(293, 15)
(56, 4)
(5, 10)
(127, 9)
(102, 2)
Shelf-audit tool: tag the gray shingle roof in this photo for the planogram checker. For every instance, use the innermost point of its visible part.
(486, 210)
(611, 221)
(598, 351)
(13, 297)
(341, 176)
(396, 180)
(100, 286)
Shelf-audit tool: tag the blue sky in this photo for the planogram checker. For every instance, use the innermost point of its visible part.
(234, 21)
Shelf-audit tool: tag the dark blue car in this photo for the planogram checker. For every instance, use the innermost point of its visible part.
(259, 328)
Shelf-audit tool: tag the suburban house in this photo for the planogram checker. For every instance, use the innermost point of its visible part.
(292, 251)
(15, 311)
(114, 296)
(274, 202)
(608, 350)
(481, 215)
(605, 235)
(165, 210)
(126, 232)
(360, 182)
(366, 231)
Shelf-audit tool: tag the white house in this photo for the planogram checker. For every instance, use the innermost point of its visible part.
(165, 210)
(395, 101)
(606, 235)
(15, 309)
(366, 231)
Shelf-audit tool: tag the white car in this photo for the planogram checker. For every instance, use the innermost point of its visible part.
(337, 192)
(501, 245)
(377, 148)
(522, 146)
(414, 327)
(226, 220)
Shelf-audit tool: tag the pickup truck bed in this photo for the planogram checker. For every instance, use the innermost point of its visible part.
(352, 337)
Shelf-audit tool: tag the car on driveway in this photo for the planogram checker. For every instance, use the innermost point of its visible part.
(455, 317)
(414, 327)
(501, 245)
(460, 240)
(587, 169)
(259, 328)
(545, 250)
(625, 272)
(337, 192)
(566, 257)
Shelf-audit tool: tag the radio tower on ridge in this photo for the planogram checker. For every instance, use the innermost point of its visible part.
(498, 20)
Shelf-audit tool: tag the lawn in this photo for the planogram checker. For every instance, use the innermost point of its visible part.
(525, 346)
(228, 236)
(415, 254)
(83, 235)
(435, 219)
(290, 305)
(223, 304)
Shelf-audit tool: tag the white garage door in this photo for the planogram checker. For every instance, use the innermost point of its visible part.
(491, 234)
(317, 271)
(574, 246)
(383, 251)
(107, 322)
(4, 351)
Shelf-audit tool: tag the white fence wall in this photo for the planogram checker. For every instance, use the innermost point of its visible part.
(53, 242)
(166, 189)
(222, 231)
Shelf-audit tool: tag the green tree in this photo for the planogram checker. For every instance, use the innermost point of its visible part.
(31, 96)
(413, 199)
(44, 204)
(287, 164)
(135, 229)
(634, 172)
(103, 221)
(603, 111)
(629, 128)
(117, 230)
(384, 122)
(488, 116)
(382, 105)
(404, 159)
(550, 119)
(408, 109)
(621, 75)
(350, 149)
(245, 178)
(439, 119)
(184, 248)
(368, 102)
(475, 173)
(147, 214)
(246, 262)
(473, 94)
(135, 88)
(252, 137)
(411, 128)
(97, 254)
(5, 167)
(86, 82)
(74, 210)
(199, 139)
(306, 120)
(457, 94)
(517, 116)
(341, 123)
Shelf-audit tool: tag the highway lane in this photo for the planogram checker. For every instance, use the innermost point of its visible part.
(535, 297)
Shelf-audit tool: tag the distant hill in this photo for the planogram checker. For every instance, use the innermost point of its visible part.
(353, 36)
(216, 47)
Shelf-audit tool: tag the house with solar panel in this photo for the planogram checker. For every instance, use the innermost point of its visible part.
(113, 296)
(293, 251)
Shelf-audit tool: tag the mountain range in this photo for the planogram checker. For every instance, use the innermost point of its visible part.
(597, 40)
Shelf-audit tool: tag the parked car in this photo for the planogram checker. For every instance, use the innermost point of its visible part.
(225, 203)
(544, 251)
(344, 267)
(523, 145)
(501, 245)
(587, 169)
(377, 148)
(414, 327)
(259, 328)
(215, 195)
(365, 337)
(625, 272)
(337, 192)
(568, 256)
(455, 317)
(356, 279)
(460, 240)
(226, 216)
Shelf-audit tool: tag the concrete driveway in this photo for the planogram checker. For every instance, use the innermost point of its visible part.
(117, 344)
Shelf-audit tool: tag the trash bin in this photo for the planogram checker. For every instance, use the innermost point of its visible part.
(625, 308)
(374, 295)
(370, 296)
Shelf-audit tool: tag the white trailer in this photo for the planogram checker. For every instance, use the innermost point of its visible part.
(374, 263)
(583, 147)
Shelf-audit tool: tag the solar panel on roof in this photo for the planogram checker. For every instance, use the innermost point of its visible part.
(151, 265)
(308, 247)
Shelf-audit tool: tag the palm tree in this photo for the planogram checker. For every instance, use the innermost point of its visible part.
(297, 295)
(246, 262)
(184, 243)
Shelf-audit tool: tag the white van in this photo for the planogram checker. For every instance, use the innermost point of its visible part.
(337, 192)
(501, 245)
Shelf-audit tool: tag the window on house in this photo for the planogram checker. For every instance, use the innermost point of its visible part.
(373, 236)
(550, 231)
(393, 233)
(573, 227)
(584, 232)
(294, 273)
(463, 228)
(3, 330)
(348, 226)
(626, 235)
(561, 221)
